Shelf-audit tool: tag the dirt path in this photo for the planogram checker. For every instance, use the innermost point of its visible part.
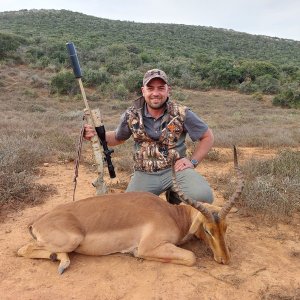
(265, 260)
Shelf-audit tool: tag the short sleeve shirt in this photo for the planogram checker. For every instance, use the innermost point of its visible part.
(193, 125)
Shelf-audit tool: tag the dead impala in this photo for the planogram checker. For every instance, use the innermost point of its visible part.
(140, 223)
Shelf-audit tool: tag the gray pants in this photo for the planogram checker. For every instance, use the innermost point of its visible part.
(189, 181)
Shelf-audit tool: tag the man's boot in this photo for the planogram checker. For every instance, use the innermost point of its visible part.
(172, 197)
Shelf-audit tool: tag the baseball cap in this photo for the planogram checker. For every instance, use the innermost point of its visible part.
(154, 73)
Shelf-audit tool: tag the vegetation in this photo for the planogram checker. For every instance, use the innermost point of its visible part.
(272, 186)
(116, 53)
(38, 127)
(41, 112)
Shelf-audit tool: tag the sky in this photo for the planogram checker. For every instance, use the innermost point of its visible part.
(276, 18)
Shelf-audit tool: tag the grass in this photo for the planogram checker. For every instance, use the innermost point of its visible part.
(241, 120)
(37, 127)
(272, 186)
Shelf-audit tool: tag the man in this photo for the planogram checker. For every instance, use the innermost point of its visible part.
(159, 126)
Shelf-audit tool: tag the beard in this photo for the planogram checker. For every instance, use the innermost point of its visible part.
(157, 105)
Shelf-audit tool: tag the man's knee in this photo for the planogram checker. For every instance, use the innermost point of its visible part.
(205, 195)
(202, 195)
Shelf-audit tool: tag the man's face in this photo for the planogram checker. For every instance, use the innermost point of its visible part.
(156, 93)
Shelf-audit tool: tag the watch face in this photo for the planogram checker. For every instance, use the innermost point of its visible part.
(194, 162)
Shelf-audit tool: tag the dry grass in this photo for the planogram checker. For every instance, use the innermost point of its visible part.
(272, 186)
(241, 120)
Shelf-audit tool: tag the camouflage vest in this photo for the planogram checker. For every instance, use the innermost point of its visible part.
(154, 155)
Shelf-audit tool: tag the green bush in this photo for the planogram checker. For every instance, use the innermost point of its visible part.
(94, 78)
(253, 69)
(248, 87)
(289, 97)
(222, 73)
(9, 43)
(64, 83)
(120, 92)
(268, 84)
(133, 80)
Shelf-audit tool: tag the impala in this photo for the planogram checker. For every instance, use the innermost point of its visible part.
(140, 223)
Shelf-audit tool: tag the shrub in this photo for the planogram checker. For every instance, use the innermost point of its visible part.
(19, 159)
(223, 73)
(253, 69)
(93, 78)
(248, 87)
(18, 190)
(121, 92)
(213, 155)
(133, 80)
(267, 84)
(9, 43)
(178, 95)
(258, 96)
(289, 97)
(64, 83)
(38, 82)
(272, 187)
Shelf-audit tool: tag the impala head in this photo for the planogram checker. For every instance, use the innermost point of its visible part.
(210, 224)
(213, 233)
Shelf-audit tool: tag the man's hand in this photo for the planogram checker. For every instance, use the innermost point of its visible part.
(89, 132)
(182, 164)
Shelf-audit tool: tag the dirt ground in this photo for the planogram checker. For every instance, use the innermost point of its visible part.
(265, 261)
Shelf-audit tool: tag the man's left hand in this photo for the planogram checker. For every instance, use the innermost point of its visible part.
(182, 164)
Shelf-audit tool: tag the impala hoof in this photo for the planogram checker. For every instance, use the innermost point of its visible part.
(62, 266)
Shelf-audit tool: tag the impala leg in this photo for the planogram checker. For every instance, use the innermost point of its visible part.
(32, 250)
(64, 261)
(167, 253)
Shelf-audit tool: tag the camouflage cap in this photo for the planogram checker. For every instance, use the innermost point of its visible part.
(154, 73)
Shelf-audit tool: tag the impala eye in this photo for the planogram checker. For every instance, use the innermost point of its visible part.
(206, 231)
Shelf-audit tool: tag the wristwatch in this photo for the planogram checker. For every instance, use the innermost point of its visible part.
(195, 162)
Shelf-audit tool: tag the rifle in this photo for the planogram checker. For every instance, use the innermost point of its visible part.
(94, 119)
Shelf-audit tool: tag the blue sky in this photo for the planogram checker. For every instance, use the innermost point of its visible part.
(276, 18)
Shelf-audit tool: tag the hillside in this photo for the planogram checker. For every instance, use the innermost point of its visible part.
(115, 54)
(169, 39)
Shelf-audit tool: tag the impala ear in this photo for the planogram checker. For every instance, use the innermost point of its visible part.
(196, 223)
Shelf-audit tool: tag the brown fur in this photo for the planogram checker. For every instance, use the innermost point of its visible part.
(137, 222)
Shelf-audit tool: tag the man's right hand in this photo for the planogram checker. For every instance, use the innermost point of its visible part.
(89, 132)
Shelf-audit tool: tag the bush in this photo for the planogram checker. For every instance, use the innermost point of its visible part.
(93, 78)
(289, 97)
(178, 95)
(272, 187)
(223, 73)
(18, 190)
(133, 80)
(258, 96)
(121, 92)
(64, 83)
(213, 155)
(9, 43)
(248, 87)
(267, 84)
(253, 69)
(19, 159)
